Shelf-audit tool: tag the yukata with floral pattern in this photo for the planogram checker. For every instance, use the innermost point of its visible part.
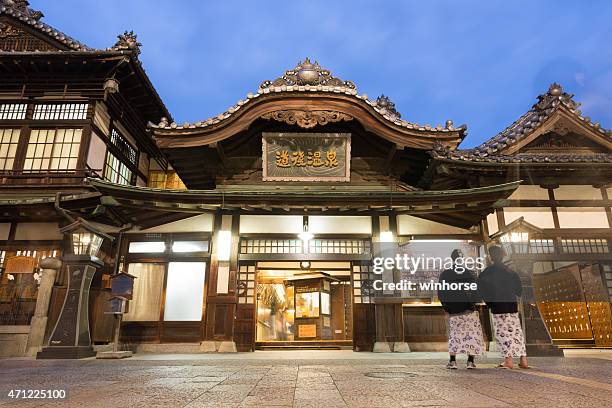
(501, 287)
(465, 331)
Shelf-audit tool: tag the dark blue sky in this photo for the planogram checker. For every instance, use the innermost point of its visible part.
(480, 63)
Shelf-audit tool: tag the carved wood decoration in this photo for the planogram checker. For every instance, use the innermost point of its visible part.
(7, 30)
(307, 119)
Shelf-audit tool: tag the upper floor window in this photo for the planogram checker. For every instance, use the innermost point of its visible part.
(13, 111)
(52, 149)
(124, 147)
(9, 139)
(60, 111)
(166, 180)
(116, 171)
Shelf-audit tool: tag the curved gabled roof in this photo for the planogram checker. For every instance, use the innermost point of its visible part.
(504, 147)
(21, 11)
(308, 87)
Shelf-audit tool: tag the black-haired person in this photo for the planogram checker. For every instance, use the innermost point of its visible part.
(465, 331)
(501, 287)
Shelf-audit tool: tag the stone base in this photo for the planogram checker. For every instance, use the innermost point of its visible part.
(401, 347)
(227, 347)
(381, 347)
(208, 347)
(13, 340)
(428, 346)
(544, 350)
(70, 353)
(493, 346)
(113, 355)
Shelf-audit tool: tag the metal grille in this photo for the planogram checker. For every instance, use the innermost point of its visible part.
(339, 246)
(246, 284)
(61, 111)
(116, 171)
(271, 246)
(124, 147)
(53, 149)
(13, 111)
(9, 139)
(585, 246)
(363, 280)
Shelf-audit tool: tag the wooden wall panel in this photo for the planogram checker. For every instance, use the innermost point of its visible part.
(422, 324)
(244, 327)
(364, 327)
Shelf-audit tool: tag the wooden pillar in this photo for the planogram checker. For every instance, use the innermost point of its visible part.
(222, 297)
(388, 304)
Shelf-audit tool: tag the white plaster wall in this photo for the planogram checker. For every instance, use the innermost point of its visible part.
(583, 217)
(578, 192)
(340, 224)
(270, 224)
(529, 192)
(539, 216)
(198, 223)
(410, 225)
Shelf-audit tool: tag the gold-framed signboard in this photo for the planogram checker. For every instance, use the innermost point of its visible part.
(306, 156)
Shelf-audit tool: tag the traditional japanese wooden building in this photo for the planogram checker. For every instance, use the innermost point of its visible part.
(257, 228)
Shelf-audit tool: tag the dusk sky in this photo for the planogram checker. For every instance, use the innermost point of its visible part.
(478, 63)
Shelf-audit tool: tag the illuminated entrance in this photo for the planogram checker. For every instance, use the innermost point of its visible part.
(304, 304)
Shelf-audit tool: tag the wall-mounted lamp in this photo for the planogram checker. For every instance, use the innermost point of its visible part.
(386, 236)
(305, 235)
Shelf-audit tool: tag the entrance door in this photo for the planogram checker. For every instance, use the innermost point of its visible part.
(244, 323)
(298, 305)
(574, 301)
(598, 302)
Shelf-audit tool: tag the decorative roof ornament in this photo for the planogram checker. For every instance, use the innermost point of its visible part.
(128, 41)
(384, 102)
(307, 73)
(307, 119)
(22, 6)
(553, 96)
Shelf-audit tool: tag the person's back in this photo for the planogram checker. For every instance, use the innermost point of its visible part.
(457, 301)
(500, 286)
(465, 331)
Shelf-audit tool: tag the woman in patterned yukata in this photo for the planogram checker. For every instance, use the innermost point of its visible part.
(501, 286)
(465, 331)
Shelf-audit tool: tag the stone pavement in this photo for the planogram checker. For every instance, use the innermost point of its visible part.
(313, 379)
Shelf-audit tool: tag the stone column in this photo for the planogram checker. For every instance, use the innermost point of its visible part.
(49, 266)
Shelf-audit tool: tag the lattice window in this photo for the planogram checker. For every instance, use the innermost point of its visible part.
(339, 246)
(584, 246)
(541, 246)
(60, 111)
(157, 179)
(9, 139)
(174, 182)
(53, 149)
(363, 284)
(246, 284)
(124, 147)
(13, 111)
(271, 246)
(116, 171)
